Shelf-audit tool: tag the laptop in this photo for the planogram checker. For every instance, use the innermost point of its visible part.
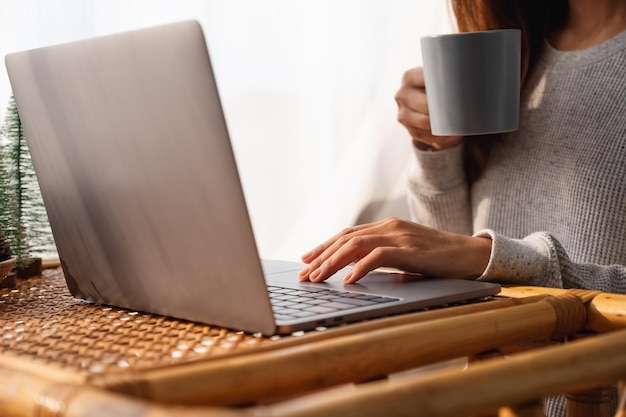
(137, 173)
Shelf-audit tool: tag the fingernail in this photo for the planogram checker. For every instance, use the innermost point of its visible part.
(313, 276)
(346, 279)
(304, 272)
(306, 255)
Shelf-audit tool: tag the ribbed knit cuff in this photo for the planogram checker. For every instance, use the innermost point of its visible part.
(516, 261)
(437, 171)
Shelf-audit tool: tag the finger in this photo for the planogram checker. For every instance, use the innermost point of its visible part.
(418, 126)
(320, 268)
(414, 78)
(321, 253)
(413, 98)
(341, 237)
(342, 255)
(414, 121)
(382, 256)
(325, 250)
(314, 253)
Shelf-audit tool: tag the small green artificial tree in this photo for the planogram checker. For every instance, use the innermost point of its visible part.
(23, 217)
(7, 280)
(5, 248)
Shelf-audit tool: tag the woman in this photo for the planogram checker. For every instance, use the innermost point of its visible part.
(545, 205)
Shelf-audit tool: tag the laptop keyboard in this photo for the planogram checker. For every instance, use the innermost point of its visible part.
(290, 303)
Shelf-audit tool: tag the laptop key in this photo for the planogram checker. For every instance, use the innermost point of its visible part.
(298, 292)
(337, 298)
(315, 301)
(281, 296)
(302, 314)
(326, 297)
(299, 299)
(286, 311)
(282, 303)
(278, 290)
(283, 317)
(320, 309)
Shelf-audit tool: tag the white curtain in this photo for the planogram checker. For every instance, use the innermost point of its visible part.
(307, 88)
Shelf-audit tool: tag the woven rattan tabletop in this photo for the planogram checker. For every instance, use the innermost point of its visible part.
(41, 321)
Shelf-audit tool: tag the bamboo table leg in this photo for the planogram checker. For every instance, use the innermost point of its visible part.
(621, 408)
(595, 402)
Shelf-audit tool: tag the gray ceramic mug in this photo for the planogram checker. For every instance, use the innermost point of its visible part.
(472, 81)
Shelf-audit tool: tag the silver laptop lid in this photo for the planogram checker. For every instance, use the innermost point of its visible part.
(137, 173)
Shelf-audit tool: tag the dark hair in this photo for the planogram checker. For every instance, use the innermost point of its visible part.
(535, 19)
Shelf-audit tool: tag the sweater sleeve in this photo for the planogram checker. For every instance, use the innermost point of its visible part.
(540, 259)
(438, 194)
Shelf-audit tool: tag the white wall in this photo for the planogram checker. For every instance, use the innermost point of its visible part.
(308, 90)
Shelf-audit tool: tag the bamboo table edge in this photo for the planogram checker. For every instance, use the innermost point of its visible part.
(605, 311)
(484, 386)
(363, 356)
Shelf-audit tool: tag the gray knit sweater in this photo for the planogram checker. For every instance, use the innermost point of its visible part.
(553, 194)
